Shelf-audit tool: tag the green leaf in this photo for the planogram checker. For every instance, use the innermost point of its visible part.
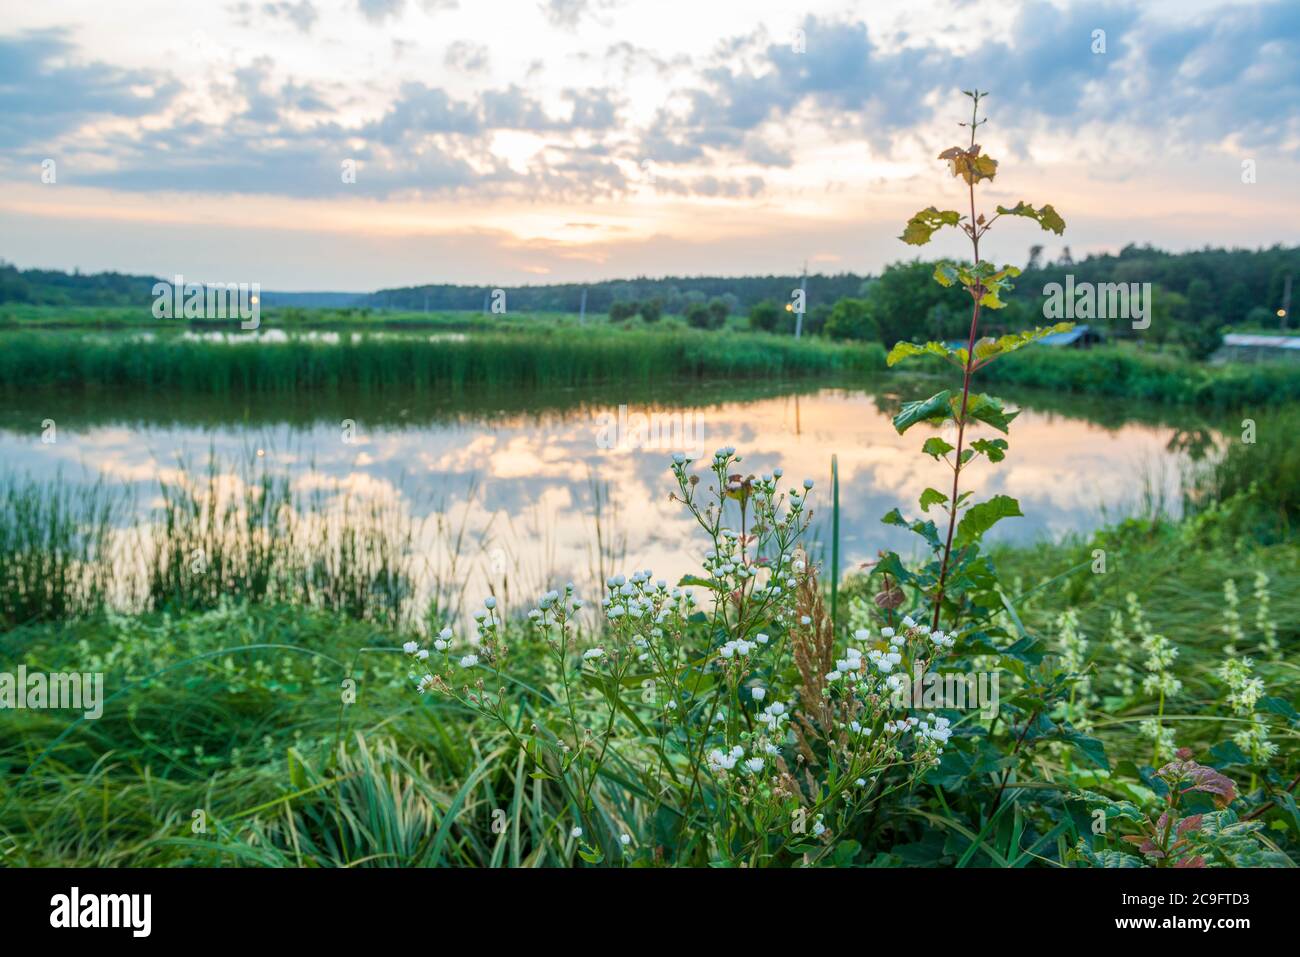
(890, 564)
(935, 446)
(1227, 752)
(922, 226)
(1278, 706)
(694, 581)
(945, 273)
(845, 852)
(995, 450)
(297, 773)
(933, 409)
(932, 497)
(1046, 217)
(1003, 345)
(905, 350)
(1090, 748)
(980, 518)
(926, 530)
(989, 410)
(1107, 858)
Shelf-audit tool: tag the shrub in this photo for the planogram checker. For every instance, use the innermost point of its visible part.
(764, 316)
(622, 311)
(852, 319)
(698, 316)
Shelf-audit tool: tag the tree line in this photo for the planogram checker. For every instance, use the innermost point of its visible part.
(1194, 296)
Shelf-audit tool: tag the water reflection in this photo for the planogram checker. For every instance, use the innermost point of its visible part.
(535, 496)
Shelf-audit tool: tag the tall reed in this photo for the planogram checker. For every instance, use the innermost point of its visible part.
(381, 364)
(55, 556)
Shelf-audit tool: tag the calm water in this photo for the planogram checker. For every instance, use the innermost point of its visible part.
(519, 481)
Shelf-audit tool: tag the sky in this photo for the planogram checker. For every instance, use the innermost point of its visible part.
(352, 145)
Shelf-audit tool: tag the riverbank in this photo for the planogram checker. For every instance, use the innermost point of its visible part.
(504, 355)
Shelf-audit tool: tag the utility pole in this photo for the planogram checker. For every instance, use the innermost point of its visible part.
(803, 302)
(582, 309)
(1285, 312)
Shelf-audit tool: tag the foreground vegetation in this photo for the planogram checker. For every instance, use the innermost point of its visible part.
(235, 709)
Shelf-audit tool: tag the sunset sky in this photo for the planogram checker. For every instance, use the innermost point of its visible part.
(510, 142)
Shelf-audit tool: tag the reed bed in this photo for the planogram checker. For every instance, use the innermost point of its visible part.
(56, 561)
(240, 535)
(239, 532)
(389, 363)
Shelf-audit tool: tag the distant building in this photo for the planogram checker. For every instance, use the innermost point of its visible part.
(1080, 337)
(1245, 347)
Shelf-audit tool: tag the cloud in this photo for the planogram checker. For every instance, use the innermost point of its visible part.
(1184, 85)
(420, 110)
(1205, 78)
(466, 56)
(712, 187)
(564, 13)
(839, 72)
(302, 15)
(377, 11)
(592, 109)
(45, 93)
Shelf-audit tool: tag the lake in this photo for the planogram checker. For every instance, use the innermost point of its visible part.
(529, 490)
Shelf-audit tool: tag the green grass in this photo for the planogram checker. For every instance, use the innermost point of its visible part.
(247, 727)
(17, 316)
(1253, 489)
(380, 364)
(1127, 373)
